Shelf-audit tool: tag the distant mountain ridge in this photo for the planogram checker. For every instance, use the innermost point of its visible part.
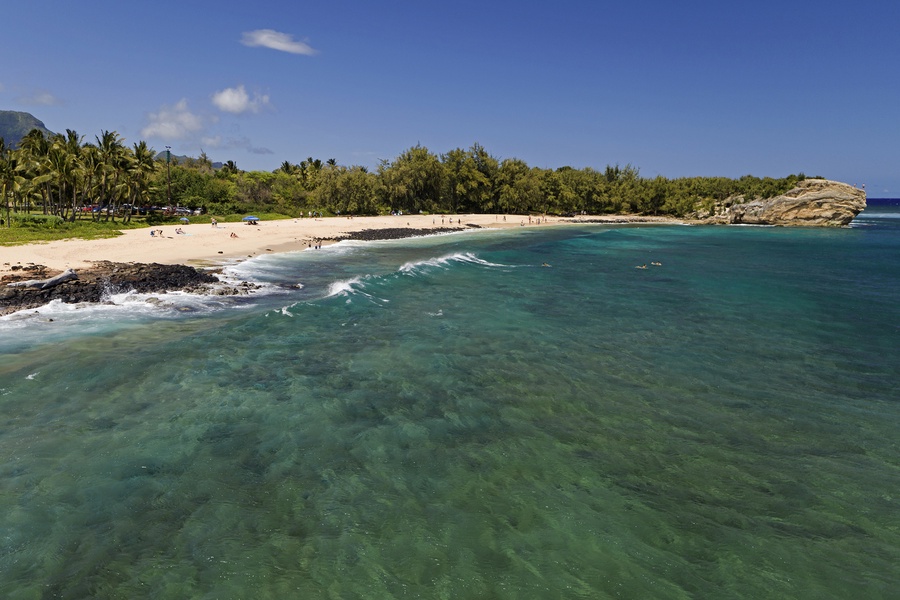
(15, 125)
(180, 159)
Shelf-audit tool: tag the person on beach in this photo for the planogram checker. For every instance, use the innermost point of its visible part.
(215, 223)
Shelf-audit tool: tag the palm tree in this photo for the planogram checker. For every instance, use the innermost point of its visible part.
(66, 167)
(34, 165)
(230, 168)
(310, 169)
(111, 149)
(62, 169)
(10, 181)
(288, 168)
(141, 165)
(92, 165)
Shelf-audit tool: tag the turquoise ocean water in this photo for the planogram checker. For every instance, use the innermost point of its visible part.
(447, 418)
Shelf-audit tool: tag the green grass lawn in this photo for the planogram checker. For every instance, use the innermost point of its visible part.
(46, 230)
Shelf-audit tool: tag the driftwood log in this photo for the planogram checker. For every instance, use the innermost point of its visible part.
(46, 284)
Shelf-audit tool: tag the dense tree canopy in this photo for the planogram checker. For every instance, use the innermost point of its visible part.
(62, 175)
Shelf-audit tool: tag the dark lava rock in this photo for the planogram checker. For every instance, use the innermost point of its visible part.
(102, 279)
(396, 233)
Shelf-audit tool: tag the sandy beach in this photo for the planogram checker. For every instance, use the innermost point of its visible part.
(203, 244)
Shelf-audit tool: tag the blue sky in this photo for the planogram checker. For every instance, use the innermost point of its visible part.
(674, 88)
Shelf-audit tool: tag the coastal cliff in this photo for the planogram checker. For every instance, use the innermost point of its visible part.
(812, 203)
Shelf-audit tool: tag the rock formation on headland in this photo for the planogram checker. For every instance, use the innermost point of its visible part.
(813, 203)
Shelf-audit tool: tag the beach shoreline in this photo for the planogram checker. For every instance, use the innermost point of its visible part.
(205, 245)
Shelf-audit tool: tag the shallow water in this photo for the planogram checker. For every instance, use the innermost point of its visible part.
(446, 418)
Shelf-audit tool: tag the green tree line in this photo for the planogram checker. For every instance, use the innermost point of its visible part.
(62, 174)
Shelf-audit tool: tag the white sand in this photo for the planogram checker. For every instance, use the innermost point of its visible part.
(202, 244)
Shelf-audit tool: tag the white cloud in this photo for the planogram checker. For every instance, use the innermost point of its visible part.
(236, 100)
(40, 98)
(199, 131)
(269, 38)
(173, 123)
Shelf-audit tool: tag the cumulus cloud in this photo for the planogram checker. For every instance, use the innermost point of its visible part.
(40, 98)
(236, 100)
(173, 123)
(269, 38)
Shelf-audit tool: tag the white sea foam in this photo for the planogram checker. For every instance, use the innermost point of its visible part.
(419, 266)
(344, 287)
(348, 288)
(258, 271)
(116, 307)
(362, 285)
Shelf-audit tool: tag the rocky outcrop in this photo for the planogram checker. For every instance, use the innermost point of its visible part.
(94, 284)
(813, 203)
(396, 233)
